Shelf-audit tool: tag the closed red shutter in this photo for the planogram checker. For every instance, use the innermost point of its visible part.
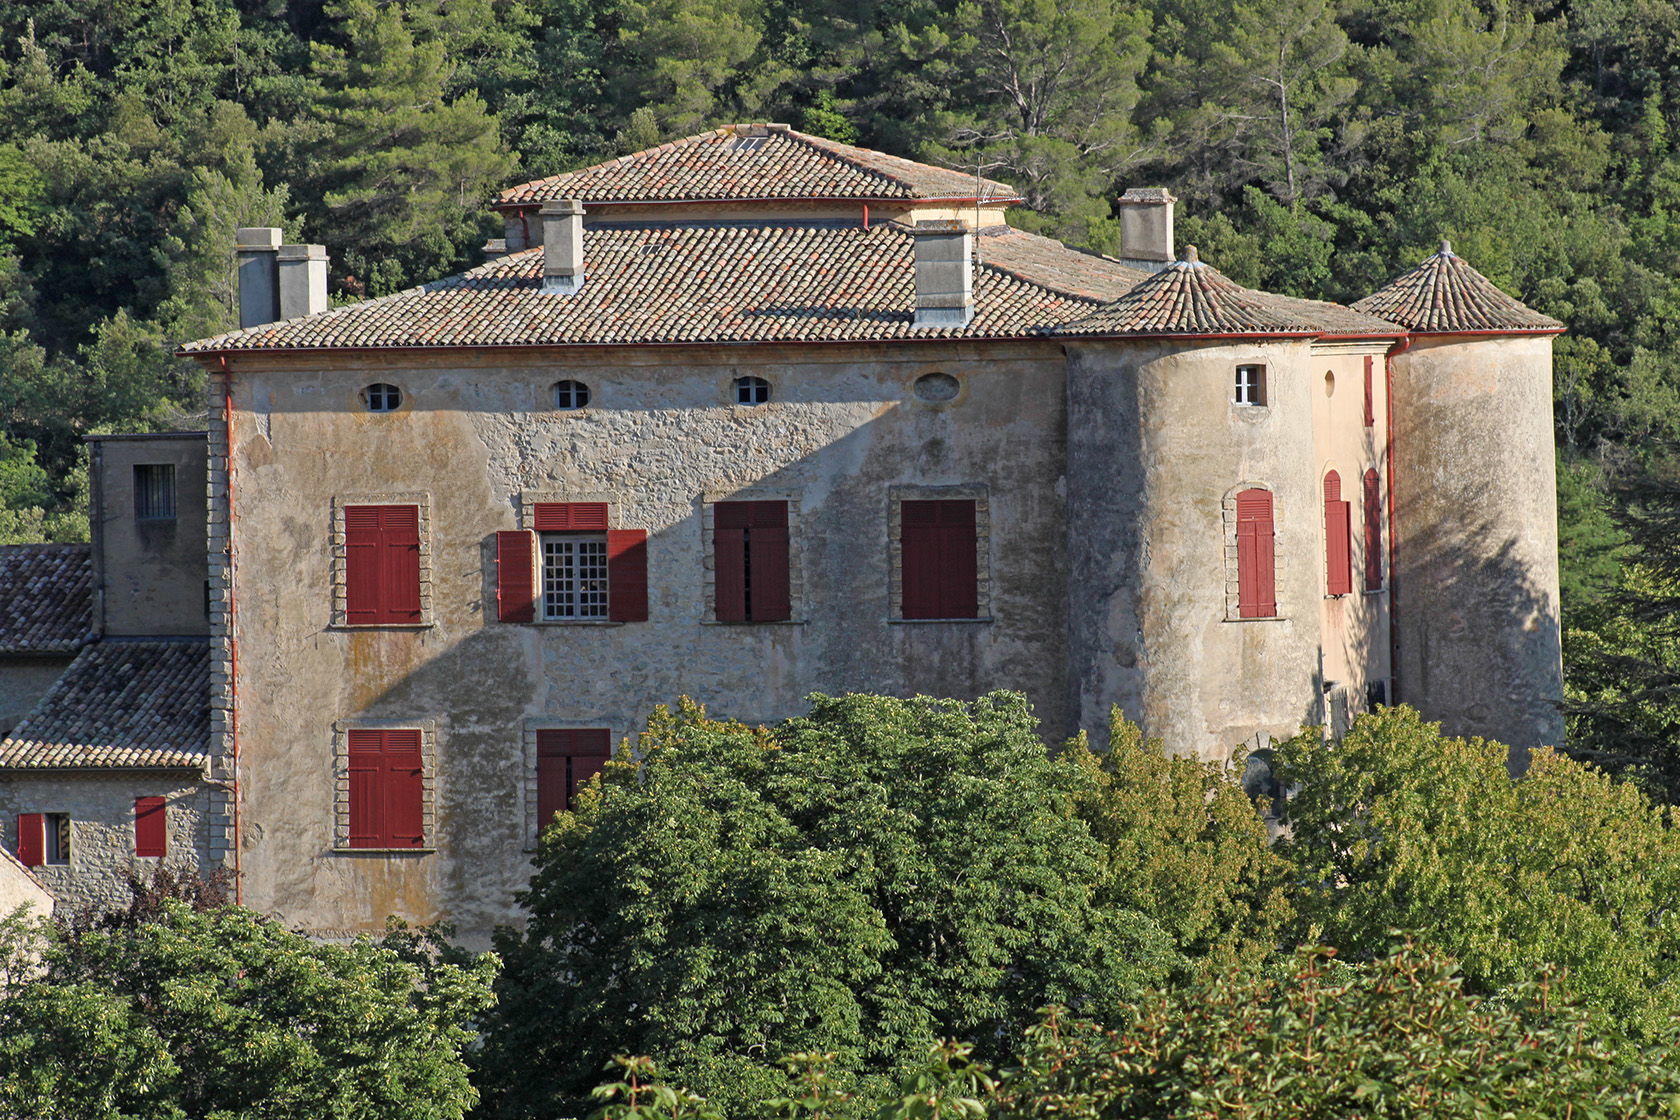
(516, 593)
(627, 580)
(1370, 393)
(1338, 543)
(1256, 575)
(751, 549)
(32, 839)
(569, 517)
(1373, 532)
(565, 760)
(387, 794)
(939, 565)
(381, 565)
(150, 827)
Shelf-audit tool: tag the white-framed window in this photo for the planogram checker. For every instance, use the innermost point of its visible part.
(574, 576)
(1251, 385)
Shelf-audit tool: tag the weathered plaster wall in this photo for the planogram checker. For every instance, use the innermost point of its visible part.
(1156, 444)
(150, 573)
(101, 809)
(23, 681)
(843, 435)
(1478, 568)
(19, 888)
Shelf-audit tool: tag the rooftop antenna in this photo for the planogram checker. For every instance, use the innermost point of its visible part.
(981, 166)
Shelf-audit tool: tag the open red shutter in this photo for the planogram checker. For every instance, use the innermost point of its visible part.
(627, 581)
(730, 528)
(150, 827)
(1256, 577)
(1370, 397)
(1338, 544)
(516, 576)
(32, 839)
(404, 789)
(1373, 531)
(364, 594)
(569, 517)
(367, 780)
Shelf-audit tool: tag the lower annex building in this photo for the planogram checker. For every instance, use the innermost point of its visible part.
(755, 414)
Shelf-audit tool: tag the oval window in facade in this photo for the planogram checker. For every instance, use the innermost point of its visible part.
(381, 397)
(936, 388)
(570, 394)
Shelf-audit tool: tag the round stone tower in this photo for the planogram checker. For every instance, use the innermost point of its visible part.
(1475, 549)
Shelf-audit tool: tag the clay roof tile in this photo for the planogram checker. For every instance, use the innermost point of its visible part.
(1444, 295)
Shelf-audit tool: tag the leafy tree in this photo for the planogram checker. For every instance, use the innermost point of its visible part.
(861, 881)
(221, 1013)
(1399, 827)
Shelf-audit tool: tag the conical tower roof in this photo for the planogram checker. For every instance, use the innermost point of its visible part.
(1444, 295)
(1190, 297)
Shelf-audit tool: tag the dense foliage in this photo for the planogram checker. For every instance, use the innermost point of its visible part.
(166, 1012)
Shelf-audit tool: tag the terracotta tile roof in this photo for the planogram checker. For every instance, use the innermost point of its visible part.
(1190, 297)
(121, 704)
(46, 598)
(1444, 295)
(755, 162)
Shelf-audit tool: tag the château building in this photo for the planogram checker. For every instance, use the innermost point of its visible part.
(755, 414)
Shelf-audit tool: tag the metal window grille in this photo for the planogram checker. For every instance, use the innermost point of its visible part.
(380, 397)
(154, 491)
(751, 390)
(58, 838)
(1251, 385)
(570, 394)
(574, 576)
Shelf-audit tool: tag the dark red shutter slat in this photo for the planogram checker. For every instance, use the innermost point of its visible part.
(959, 562)
(1370, 398)
(627, 580)
(382, 565)
(401, 547)
(150, 826)
(729, 554)
(569, 517)
(32, 839)
(366, 782)
(404, 790)
(1373, 532)
(515, 576)
(1256, 576)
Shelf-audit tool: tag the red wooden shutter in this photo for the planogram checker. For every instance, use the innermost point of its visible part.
(1373, 532)
(569, 517)
(730, 529)
(1256, 575)
(1338, 543)
(366, 766)
(1370, 398)
(387, 795)
(939, 566)
(627, 581)
(381, 564)
(32, 839)
(565, 760)
(516, 594)
(150, 827)
(751, 550)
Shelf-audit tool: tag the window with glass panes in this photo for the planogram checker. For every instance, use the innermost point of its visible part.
(574, 576)
(1251, 385)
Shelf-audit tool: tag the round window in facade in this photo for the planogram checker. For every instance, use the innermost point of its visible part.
(380, 397)
(937, 388)
(751, 390)
(570, 394)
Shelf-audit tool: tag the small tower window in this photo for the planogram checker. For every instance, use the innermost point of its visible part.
(1251, 385)
(751, 390)
(154, 491)
(570, 395)
(380, 397)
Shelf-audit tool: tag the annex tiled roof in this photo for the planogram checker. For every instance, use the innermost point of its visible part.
(1189, 297)
(46, 598)
(120, 705)
(1444, 295)
(756, 162)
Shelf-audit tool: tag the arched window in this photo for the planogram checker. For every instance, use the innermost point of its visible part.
(1256, 571)
(1373, 532)
(1338, 533)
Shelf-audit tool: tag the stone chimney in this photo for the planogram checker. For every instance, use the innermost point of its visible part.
(1146, 224)
(944, 274)
(303, 280)
(562, 243)
(494, 249)
(257, 250)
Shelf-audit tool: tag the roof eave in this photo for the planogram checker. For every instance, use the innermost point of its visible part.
(856, 200)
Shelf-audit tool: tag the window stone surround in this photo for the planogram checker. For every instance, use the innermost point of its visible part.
(708, 553)
(900, 493)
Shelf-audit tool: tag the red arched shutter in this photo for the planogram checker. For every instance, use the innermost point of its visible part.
(1373, 532)
(1338, 543)
(1256, 573)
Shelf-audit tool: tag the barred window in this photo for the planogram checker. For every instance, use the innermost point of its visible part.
(154, 491)
(574, 576)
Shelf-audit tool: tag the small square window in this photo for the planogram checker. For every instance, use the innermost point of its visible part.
(574, 576)
(1251, 385)
(57, 838)
(154, 491)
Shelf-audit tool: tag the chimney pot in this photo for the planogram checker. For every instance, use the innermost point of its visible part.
(944, 256)
(1146, 224)
(303, 280)
(256, 250)
(562, 242)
